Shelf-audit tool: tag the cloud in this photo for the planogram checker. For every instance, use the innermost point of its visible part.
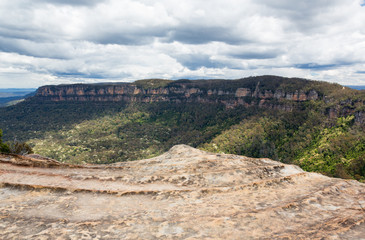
(72, 2)
(316, 67)
(54, 41)
(194, 34)
(31, 48)
(194, 62)
(256, 54)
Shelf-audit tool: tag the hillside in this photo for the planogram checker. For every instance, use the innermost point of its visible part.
(184, 193)
(316, 125)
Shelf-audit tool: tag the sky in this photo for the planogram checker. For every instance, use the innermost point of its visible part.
(86, 41)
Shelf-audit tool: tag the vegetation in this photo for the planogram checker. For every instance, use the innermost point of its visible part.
(15, 147)
(152, 83)
(337, 151)
(3, 146)
(334, 149)
(138, 131)
(105, 132)
(28, 120)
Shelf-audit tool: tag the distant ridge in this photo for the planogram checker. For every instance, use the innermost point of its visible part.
(11, 96)
(357, 87)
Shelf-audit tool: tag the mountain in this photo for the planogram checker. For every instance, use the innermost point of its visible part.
(316, 125)
(185, 193)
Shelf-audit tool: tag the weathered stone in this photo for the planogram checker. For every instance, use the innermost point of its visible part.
(183, 194)
(243, 92)
(312, 95)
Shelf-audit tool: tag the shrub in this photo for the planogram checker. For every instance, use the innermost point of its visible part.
(3, 147)
(20, 148)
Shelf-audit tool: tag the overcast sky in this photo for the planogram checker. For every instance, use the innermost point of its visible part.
(65, 41)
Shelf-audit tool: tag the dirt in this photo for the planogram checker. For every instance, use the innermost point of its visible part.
(183, 194)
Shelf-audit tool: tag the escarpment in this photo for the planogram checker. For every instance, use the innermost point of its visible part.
(247, 92)
(270, 92)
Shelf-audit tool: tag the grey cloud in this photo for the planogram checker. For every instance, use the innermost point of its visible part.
(122, 39)
(141, 36)
(314, 66)
(309, 5)
(185, 34)
(78, 75)
(256, 54)
(318, 67)
(196, 61)
(72, 2)
(24, 32)
(29, 48)
(304, 16)
(204, 34)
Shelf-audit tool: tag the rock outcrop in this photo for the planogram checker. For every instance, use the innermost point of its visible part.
(183, 194)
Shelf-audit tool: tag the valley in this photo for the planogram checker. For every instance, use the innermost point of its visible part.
(316, 125)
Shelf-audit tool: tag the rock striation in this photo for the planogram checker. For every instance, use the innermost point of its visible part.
(185, 193)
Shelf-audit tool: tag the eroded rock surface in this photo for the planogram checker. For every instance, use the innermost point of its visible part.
(183, 194)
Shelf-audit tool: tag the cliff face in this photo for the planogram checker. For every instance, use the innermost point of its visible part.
(179, 91)
(265, 91)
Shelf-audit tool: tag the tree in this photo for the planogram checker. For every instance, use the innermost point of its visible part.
(3, 147)
(17, 147)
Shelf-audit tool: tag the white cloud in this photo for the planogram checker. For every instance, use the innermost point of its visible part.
(53, 41)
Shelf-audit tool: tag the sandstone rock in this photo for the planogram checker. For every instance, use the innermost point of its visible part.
(243, 92)
(181, 92)
(185, 193)
(312, 95)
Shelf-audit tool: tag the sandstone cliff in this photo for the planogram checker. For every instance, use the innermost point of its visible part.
(246, 92)
(183, 194)
(270, 92)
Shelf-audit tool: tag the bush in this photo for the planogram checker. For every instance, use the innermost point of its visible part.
(20, 148)
(15, 147)
(3, 147)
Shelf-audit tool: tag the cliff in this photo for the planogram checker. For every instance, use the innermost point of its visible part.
(183, 194)
(260, 91)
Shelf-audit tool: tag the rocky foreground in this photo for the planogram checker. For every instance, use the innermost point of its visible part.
(183, 194)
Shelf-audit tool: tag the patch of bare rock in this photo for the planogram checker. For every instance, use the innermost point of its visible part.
(185, 193)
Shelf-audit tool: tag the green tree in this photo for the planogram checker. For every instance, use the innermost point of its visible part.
(15, 147)
(3, 147)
